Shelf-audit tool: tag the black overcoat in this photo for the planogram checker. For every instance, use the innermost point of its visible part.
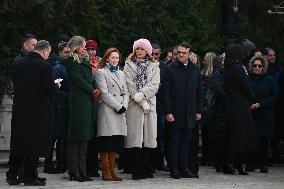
(217, 126)
(265, 93)
(182, 93)
(32, 112)
(239, 97)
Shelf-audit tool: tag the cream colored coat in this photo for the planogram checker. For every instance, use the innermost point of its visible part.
(114, 95)
(142, 127)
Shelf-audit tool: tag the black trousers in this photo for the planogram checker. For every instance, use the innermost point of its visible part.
(264, 144)
(179, 147)
(60, 132)
(29, 164)
(139, 160)
(76, 158)
(193, 163)
(92, 157)
(158, 156)
(221, 151)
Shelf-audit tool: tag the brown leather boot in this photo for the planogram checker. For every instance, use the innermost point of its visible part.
(105, 167)
(112, 157)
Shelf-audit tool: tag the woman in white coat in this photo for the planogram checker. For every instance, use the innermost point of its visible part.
(143, 79)
(113, 103)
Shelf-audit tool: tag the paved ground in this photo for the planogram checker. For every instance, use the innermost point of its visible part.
(208, 179)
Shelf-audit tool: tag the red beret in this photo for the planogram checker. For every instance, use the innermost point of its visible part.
(91, 44)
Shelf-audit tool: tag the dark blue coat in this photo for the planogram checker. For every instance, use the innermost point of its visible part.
(159, 94)
(62, 96)
(265, 93)
(182, 93)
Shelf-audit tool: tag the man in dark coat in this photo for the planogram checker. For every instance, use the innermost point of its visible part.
(32, 114)
(182, 103)
(274, 70)
(159, 152)
(27, 45)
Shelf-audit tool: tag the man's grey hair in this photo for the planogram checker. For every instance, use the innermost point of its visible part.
(156, 46)
(42, 45)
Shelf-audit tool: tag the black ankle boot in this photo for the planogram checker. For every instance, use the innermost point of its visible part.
(227, 169)
(175, 174)
(241, 171)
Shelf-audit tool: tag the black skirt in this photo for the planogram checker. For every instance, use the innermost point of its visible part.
(110, 143)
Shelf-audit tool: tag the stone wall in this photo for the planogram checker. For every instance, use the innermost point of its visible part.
(5, 122)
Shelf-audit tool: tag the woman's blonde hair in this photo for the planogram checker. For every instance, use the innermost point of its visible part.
(75, 43)
(208, 66)
(108, 52)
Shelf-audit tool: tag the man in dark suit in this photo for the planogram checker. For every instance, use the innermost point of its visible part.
(182, 102)
(32, 115)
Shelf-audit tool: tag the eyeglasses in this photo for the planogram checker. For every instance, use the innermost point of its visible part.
(181, 52)
(257, 65)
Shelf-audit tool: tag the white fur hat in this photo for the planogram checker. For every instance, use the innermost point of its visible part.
(144, 44)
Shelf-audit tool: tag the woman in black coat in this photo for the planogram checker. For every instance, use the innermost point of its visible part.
(265, 91)
(241, 129)
(217, 128)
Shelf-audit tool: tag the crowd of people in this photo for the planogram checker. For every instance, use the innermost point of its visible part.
(143, 114)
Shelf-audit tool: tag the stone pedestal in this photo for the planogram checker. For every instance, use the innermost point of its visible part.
(5, 122)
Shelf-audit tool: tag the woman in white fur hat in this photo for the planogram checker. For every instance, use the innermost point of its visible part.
(143, 79)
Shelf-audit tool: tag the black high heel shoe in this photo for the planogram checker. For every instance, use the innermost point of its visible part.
(76, 178)
(241, 171)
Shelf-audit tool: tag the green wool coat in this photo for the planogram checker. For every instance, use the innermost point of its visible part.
(81, 105)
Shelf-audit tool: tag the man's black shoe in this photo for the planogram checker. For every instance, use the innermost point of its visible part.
(50, 169)
(93, 174)
(175, 174)
(138, 175)
(185, 173)
(13, 181)
(35, 182)
(250, 168)
(264, 169)
(164, 168)
(41, 179)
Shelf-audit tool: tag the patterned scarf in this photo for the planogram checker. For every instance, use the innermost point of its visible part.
(141, 76)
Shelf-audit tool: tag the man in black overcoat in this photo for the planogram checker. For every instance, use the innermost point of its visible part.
(27, 45)
(32, 114)
(182, 103)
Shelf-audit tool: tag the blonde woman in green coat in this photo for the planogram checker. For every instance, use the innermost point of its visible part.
(82, 95)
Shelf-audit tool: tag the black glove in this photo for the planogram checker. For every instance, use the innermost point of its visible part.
(121, 111)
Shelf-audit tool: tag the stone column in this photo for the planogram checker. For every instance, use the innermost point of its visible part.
(5, 122)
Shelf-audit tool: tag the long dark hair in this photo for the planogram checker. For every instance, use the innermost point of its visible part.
(234, 55)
